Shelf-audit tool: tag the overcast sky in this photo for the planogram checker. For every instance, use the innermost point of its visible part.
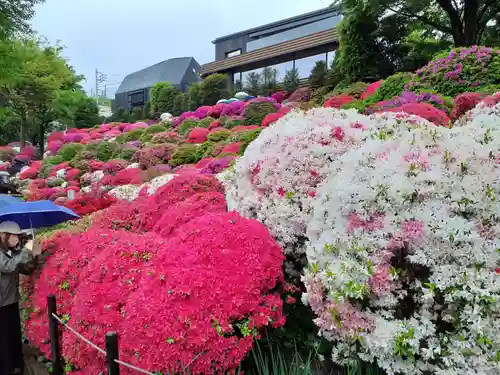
(119, 39)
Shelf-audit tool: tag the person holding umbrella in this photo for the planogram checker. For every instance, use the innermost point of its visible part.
(13, 261)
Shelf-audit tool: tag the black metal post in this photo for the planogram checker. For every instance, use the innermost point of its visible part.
(112, 353)
(55, 348)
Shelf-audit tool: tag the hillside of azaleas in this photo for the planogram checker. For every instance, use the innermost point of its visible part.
(378, 201)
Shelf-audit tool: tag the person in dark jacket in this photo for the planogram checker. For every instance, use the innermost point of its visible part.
(12, 263)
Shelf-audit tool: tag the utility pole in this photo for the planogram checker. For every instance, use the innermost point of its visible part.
(99, 78)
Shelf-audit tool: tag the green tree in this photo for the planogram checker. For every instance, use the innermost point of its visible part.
(14, 16)
(253, 83)
(37, 91)
(194, 96)
(162, 96)
(318, 74)
(180, 104)
(466, 22)
(269, 80)
(291, 80)
(136, 114)
(214, 88)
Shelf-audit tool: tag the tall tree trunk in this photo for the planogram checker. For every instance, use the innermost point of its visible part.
(42, 139)
(471, 22)
(22, 132)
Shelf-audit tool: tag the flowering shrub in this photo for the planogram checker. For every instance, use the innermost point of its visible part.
(189, 209)
(191, 269)
(408, 97)
(465, 102)
(302, 94)
(275, 181)
(425, 111)
(87, 203)
(371, 89)
(114, 166)
(147, 157)
(338, 101)
(271, 118)
(257, 111)
(197, 135)
(134, 176)
(460, 70)
(405, 255)
(98, 304)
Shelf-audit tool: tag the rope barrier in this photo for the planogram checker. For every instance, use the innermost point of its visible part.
(102, 351)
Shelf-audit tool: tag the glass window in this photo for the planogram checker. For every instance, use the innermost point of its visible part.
(305, 65)
(297, 32)
(233, 53)
(137, 98)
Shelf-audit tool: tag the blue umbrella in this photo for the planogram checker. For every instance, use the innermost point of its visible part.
(6, 199)
(37, 214)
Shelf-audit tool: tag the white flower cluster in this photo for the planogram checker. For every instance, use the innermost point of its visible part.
(131, 192)
(404, 250)
(275, 180)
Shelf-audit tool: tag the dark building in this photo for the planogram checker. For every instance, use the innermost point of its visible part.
(134, 89)
(296, 42)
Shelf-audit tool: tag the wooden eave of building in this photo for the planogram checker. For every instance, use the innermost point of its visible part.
(276, 54)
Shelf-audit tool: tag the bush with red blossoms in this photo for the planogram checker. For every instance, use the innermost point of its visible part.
(425, 111)
(147, 157)
(464, 102)
(195, 206)
(370, 90)
(29, 173)
(198, 135)
(492, 100)
(338, 101)
(233, 148)
(54, 146)
(167, 137)
(271, 119)
(200, 311)
(55, 136)
(279, 96)
(87, 203)
(105, 284)
(129, 176)
(61, 276)
(113, 166)
(73, 137)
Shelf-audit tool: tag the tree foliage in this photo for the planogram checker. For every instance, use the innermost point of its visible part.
(162, 96)
(253, 82)
(291, 80)
(213, 88)
(39, 87)
(14, 16)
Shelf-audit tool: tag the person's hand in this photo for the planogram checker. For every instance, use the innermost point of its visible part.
(37, 249)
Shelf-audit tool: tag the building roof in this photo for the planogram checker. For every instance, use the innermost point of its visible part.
(285, 21)
(171, 70)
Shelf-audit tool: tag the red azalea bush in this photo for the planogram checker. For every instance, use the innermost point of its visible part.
(200, 314)
(371, 89)
(105, 284)
(87, 203)
(198, 135)
(167, 137)
(147, 157)
(233, 148)
(492, 100)
(29, 173)
(189, 209)
(464, 102)
(114, 166)
(55, 136)
(338, 101)
(271, 119)
(129, 176)
(279, 96)
(61, 277)
(425, 111)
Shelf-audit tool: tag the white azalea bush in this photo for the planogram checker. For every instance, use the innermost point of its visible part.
(404, 251)
(275, 180)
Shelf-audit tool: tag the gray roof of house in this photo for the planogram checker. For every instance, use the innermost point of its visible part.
(330, 10)
(171, 70)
